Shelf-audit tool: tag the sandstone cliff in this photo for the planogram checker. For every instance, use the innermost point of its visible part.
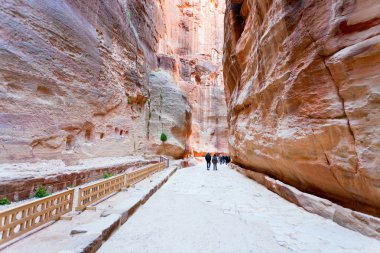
(169, 113)
(191, 49)
(75, 77)
(302, 87)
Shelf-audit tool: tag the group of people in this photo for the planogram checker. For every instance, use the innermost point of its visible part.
(224, 159)
(215, 159)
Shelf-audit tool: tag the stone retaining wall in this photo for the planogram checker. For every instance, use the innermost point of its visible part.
(21, 189)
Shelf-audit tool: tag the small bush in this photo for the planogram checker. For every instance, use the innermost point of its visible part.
(107, 175)
(4, 201)
(163, 137)
(128, 14)
(41, 192)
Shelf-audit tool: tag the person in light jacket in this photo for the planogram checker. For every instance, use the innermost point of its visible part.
(215, 162)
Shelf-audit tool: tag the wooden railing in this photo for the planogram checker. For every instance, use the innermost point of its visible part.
(92, 193)
(138, 175)
(22, 219)
(164, 159)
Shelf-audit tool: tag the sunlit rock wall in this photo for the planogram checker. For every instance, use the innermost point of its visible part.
(191, 49)
(169, 113)
(74, 78)
(302, 82)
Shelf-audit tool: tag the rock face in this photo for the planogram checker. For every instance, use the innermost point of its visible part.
(192, 51)
(302, 87)
(75, 76)
(169, 113)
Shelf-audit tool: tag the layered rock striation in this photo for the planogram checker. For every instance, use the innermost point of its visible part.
(74, 77)
(302, 87)
(81, 80)
(192, 51)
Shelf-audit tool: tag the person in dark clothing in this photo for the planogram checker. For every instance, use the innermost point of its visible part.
(215, 162)
(208, 160)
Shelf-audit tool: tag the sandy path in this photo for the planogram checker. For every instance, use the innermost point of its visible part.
(223, 211)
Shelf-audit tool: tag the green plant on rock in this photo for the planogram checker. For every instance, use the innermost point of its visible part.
(4, 201)
(163, 137)
(128, 14)
(41, 192)
(107, 175)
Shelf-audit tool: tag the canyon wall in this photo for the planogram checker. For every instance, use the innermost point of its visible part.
(192, 51)
(81, 79)
(74, 77)
(303, 86)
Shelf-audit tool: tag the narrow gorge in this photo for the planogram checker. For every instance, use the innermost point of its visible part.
(289, 89)
(106, 79)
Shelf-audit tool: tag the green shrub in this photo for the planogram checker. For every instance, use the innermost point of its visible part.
(107, 175)
(4, 201)
(41, 192)
(163, 137)
(128, 14)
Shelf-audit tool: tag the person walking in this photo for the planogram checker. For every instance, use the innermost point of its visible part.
(215, 162)
(208, 160)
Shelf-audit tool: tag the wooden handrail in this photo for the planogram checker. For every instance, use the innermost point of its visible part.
(94, 192)
(23, 218)
(164, 159)
(138, 175)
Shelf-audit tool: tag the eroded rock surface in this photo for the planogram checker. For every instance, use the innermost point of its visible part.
(192, 51)
(302, 84)
(169, 113)
(75, 76)
(69, 71)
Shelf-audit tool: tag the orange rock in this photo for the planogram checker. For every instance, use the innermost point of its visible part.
(192, 50)
(75, 77)
(302, 87)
